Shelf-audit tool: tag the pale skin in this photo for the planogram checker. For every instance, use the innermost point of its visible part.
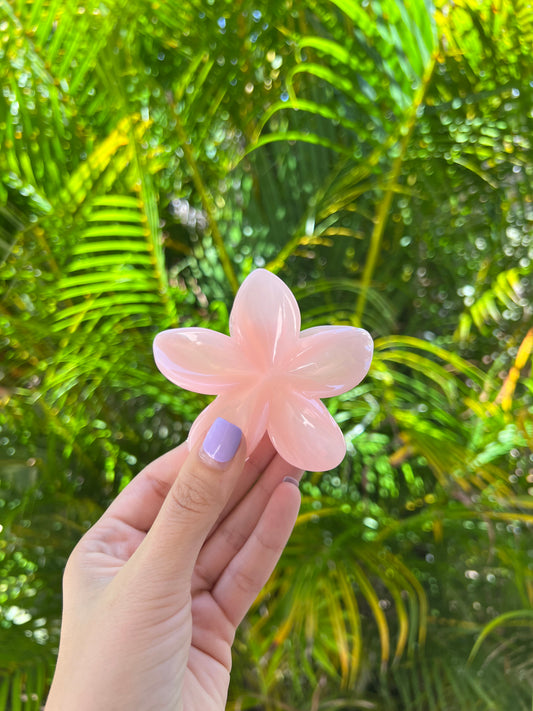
(154, 591)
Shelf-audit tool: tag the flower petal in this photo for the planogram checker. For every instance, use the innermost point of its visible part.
(330, 360)
(241, 407)
(304, 433)
(200, 360)
(265, 318)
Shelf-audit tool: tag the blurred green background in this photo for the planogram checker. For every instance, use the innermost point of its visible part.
(377, 155)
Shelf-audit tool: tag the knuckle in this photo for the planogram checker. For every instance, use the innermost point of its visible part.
(244, 581)
(158, 485)
(267, 545)
(204, 577)
(235, 538)
(192, 496)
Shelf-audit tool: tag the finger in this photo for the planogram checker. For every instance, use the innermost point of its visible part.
(255, 465)
(248, 572)
(139, 503)
(203, 486)
(233, 532)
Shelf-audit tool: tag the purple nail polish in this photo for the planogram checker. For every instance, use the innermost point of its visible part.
(222, 441)
(292, 480)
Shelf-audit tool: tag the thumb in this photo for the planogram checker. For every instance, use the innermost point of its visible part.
(198, 495)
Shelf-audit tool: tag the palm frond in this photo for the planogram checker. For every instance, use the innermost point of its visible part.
(512, 618)
(345, 593)
(507, 293)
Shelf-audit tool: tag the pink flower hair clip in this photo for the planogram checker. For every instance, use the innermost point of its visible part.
(268, 375)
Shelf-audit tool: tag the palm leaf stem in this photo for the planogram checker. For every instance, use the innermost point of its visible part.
(149, 200)
(383, 209)
(207, 202)
(308, 219)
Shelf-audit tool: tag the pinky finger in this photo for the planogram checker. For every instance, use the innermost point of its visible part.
(247, 573)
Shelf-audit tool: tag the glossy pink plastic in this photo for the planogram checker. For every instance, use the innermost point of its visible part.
(269, 376)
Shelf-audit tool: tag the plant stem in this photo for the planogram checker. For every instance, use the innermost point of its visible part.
(207, 202)
(383, 209)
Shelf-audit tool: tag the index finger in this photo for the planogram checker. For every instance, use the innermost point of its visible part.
(139, 503)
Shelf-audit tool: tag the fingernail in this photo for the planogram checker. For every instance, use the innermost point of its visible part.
(292, 480)
(221, 442)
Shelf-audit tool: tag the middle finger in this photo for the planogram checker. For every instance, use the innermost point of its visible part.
(230, 534)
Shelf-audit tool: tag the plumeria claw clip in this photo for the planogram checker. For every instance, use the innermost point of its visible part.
(268, 375)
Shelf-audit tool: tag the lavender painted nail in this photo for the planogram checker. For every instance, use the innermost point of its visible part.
(222, 441)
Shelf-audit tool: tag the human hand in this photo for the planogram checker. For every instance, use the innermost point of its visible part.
(154, 591)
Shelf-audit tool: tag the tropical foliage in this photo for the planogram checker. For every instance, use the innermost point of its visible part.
(378, 156)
